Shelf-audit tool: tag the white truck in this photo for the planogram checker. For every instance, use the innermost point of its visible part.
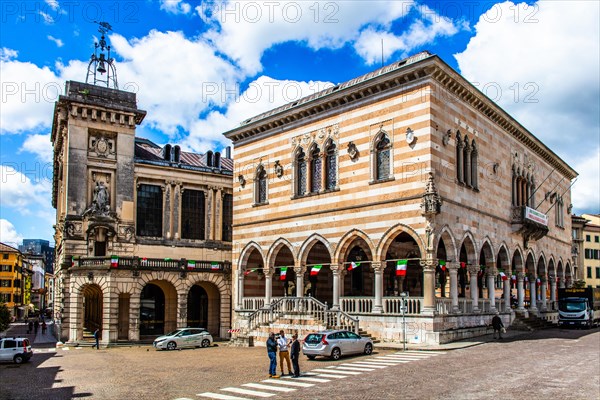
(579, 307)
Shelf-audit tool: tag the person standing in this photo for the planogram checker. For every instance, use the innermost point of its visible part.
(497, 325)
(29, 326)
(284, 354)
(97, 338)
(295, 354)
(44, 326)
(272, 352)
(36, 326)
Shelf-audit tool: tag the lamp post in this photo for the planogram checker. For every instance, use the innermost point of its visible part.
(403, 296)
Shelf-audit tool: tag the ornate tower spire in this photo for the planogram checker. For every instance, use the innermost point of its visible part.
(102, 64)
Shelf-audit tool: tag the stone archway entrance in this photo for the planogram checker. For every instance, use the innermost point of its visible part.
(158, 308)
(204, 307)
(92, 308)
(404, 248)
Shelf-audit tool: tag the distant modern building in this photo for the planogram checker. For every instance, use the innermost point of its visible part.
(37, 265)
(12, 280)
(591, 250)
(370, 197)
(39, 247)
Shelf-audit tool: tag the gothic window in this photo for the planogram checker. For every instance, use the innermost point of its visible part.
(382, 157)
(192, 215)
(330, 166)
(260, 189)
(467, 162)
(459, 157)
(473, 165)
(316, 164)
(559, 215)
(300, 173)
(226, 233)
(149, 210)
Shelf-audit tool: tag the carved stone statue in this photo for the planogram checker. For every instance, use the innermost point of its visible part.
(100, 202)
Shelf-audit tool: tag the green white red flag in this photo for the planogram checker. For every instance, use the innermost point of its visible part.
(214, 265)
(401, 267)
(315, 270)
(353, 265)
(247, 272)
(443, 265)
(283, 273)
(191, 264)
(503, 276)
(114, 261)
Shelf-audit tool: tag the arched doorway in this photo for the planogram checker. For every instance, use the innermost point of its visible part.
(204, 307)
(466, 257)
(254, 281)
(358, 275)
(287, 285)
(321, 284)
(485, 260)
(92, 308)
(158, 308)
(441, 272)
(404, 248)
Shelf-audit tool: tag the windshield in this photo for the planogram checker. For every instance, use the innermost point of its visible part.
(313, 338)
(571, 306)
(175, 332)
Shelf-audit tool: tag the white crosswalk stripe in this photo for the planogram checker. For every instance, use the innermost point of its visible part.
(362, 364)
(289, 383)
(268, 387)
(357, 369)
(309, 379)
(392, 360)
(379, 362)
(334, 371)
(332, 376)
(220, 396)
(248, 392)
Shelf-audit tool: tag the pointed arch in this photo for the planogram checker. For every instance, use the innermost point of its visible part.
(447, 237)
(276, 247)
(309, 243)
(488, 251)
(468, 241)
(247, 251)
(315, 161)
(389, 236)
(541, 265)
(300, 180)
(518, 262)
(347, 240)
(260, 185)
(381, 161)
(331, 164)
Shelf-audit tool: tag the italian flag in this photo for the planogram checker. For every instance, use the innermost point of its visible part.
(538, 282)
(283, 273)
(443, 265)
(72, 261)
(214, 265)
(463, 264)
(503, 276)
(353, 265)
(114, 261)
(191, 264)
(249, 271)
(401, 267)
(315, 270)
(513, 278)
(144, 260)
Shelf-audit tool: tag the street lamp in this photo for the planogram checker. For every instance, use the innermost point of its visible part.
(403, 296)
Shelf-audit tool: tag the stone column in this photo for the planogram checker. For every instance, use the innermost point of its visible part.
(561, 282)
(543, 293)
(473, 269)
(428, 266)
(553, 290)
(453, 271)
(506, 288)
(182, 310)
(343, 273)
(219, 214)
(491, 284)
(335, 270)
(378, 304)
(520, 291)
(268, 286)
(532, 294)
(240, 289)
(299, 271)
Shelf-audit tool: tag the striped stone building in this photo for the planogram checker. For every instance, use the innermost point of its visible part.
(143, 232)
(407, 165)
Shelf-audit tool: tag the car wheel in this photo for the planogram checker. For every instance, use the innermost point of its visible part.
(336, 354)
(18, 359)
(171, 346)
(368, 348)
(311, 357)
(205, 343)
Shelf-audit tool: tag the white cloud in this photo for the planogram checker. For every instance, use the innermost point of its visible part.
(420, 32)
(9, 235)
(175, 6)
(261, 95)
(542, 65)
(53, 4)
(28, 94)
(244, 30)
(57, 41)
(39, 145)
(22, 193)
(48, 19)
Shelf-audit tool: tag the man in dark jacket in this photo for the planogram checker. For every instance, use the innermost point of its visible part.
(295, 354)
(272, 352)
(497, 325)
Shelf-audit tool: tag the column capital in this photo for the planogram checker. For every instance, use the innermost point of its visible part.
(268, 271)
(377, 266)
(520, 276)
(453, 266)
(491, 271)
(473, 269)
(428, 264)
(299, 269)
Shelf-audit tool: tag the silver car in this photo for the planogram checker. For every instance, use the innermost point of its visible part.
(335, 344)
(184, 337)
(15, 349)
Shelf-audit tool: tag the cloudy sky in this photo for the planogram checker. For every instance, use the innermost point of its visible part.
(200, 68)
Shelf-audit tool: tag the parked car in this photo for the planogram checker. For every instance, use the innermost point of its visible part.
(184, 337)
(335, 344)
(15, 349)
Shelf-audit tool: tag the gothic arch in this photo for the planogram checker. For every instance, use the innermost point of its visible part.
(347, 240)
(517, 261)
(469, 242)
(449, 241)
(488, 249)
(391, 234)
(309, 243)
(246, 251)
(541, 267)
(274, 250)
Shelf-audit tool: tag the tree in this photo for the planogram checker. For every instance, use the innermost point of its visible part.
(579, 283)
(4, 317)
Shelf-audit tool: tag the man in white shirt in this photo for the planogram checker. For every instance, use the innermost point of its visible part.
(284, 353)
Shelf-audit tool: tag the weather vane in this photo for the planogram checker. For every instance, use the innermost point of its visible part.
(103, 63)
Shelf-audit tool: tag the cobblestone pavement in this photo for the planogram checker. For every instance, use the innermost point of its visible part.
(549, 364)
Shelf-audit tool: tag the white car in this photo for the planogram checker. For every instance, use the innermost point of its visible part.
(14, 349)
(184, 337)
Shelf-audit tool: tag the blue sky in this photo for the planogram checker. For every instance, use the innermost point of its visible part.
(200, 68)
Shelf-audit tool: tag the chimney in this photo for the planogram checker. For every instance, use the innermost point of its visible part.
(228, 152)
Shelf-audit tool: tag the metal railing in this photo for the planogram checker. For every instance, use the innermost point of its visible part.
(443, 306)
(151, 264)
(391, 305)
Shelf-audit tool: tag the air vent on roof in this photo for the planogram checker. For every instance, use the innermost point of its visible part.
(217, 160)
(167, 152)
(209, 158)
(176, 154)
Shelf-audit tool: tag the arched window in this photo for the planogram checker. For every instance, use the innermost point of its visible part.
(459, 157)
(260, 189)
(382, 157)
(316, 167)
(473, 164)
(300, 173)
(330, 166)
(467, 162)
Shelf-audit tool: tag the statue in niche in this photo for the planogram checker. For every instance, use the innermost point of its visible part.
(100, 201)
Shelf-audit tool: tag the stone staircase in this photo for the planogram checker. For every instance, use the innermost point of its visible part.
(364, 333)
(530, 323)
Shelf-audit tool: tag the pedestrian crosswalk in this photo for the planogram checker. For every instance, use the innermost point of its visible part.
(272, 387)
